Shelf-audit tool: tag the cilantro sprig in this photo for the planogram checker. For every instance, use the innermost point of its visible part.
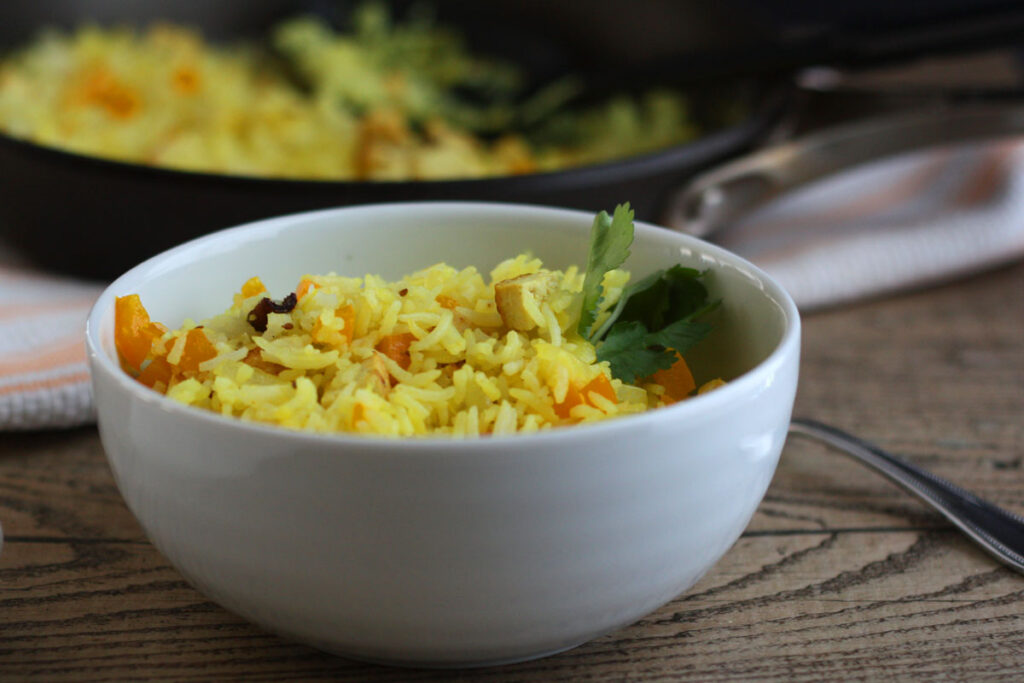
(654, 319)
(610, 238)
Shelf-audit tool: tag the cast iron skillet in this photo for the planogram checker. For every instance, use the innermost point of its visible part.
(95, 218)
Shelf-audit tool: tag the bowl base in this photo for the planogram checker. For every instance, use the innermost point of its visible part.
(468, 663)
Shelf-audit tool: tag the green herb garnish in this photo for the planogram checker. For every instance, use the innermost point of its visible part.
(654, 318)
(610, 238)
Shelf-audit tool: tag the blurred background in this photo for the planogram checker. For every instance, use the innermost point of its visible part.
(691, 37)
(756, 74)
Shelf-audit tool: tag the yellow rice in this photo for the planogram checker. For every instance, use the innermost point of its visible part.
(165, 97)
(468, 373)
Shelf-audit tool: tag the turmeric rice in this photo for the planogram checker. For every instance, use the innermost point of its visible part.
(438, 352)
(378, 103)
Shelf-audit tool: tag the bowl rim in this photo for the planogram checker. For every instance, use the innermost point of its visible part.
(711, 402)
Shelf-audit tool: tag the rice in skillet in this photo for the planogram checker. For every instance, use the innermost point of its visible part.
(380, 102)
(440, 351)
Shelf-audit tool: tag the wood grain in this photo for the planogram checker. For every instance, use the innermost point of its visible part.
(839, 575)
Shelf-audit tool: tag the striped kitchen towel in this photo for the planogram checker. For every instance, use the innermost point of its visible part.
(44, 381)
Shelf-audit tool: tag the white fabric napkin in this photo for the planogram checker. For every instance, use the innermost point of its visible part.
(882, 227)
(899, 223)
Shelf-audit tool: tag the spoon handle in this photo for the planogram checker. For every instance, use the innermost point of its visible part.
(999, 532)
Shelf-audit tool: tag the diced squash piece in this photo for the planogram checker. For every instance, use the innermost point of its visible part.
(158, 370)
(446, 302)
(358, 414)
(134, 334)
(102, 89)
(332, 337)
(677, 380)
(396, 347)
(252, 287)
(573, 398)
(348, 314)
(186, 80)
(602, 386)
(198, 348)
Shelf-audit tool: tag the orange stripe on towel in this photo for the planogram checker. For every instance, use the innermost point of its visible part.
(41, 308)
(67, 352)
(49, 384)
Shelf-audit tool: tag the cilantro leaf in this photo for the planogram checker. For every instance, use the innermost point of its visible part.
(687, 293)
(610, 238)
(627, 352)
(633, 352)
(706, 308)
(659, 299)
(678, 337)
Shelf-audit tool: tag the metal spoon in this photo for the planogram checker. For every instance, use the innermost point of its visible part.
(999, 532)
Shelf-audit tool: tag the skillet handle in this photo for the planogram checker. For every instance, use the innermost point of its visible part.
(715, 199)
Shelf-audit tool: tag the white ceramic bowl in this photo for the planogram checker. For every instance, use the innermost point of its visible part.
(439, 551)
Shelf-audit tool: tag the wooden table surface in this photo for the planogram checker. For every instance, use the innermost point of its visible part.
(840, 574)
